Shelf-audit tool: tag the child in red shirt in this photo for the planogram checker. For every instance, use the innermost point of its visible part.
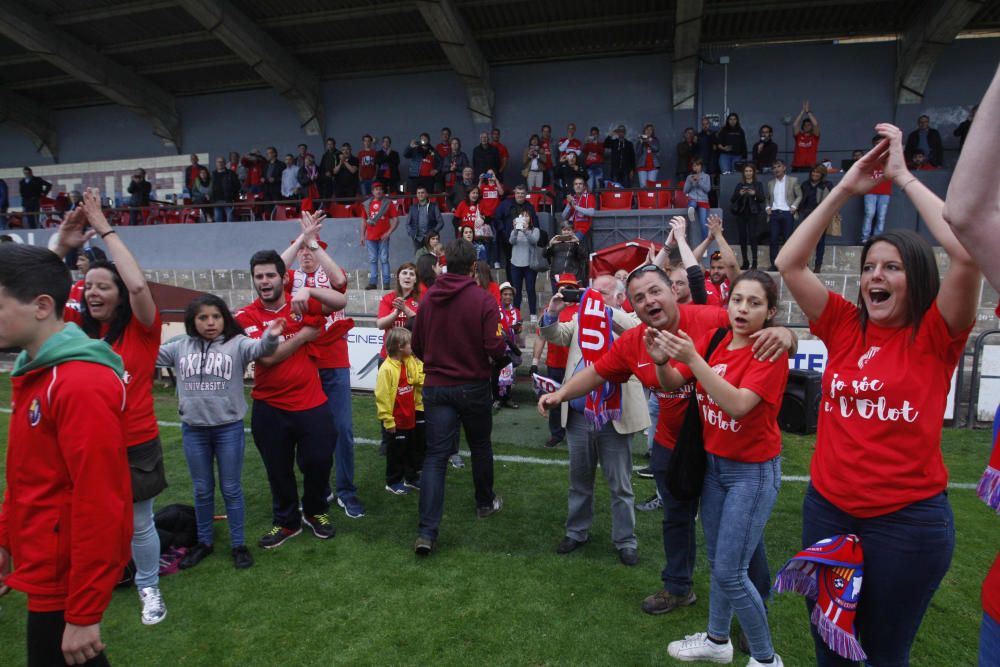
(399, 403)
(510, 321)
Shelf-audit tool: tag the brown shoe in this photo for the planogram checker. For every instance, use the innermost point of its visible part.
(490, 509)
(662, 602)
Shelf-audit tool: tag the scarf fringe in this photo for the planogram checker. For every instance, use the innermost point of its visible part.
(842, 643)
(792, 578)
(988, 489)
(599, 419)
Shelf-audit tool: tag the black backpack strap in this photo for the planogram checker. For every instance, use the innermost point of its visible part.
(717, 337)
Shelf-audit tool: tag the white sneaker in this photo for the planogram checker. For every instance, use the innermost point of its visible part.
(777, 662)
(153, 609)
(698, 647)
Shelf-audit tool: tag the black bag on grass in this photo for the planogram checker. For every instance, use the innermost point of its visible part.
(177, 527)
(686, 470)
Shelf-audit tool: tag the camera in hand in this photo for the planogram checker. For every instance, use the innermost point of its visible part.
(571, 295)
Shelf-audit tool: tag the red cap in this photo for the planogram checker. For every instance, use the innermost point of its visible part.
(567, 279)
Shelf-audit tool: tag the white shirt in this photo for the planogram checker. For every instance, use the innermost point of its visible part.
(780, 201)
(289, 181)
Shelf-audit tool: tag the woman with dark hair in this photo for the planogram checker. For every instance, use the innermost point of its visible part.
(454, 163)
(739, 397)
(201, 193)
(209, 364)
(878, 472)
(484, 278)
(432, 246)
(118, 307)
(401, 303)
(814, 190)
(533, 164)
(732, 144)
(746, 205)
(428, 269)
(647, 156)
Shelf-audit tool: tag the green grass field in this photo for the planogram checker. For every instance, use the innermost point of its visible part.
(495, 592)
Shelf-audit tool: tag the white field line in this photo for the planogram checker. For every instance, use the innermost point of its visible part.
(511, 458)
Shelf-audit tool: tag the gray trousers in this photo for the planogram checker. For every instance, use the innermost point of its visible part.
(587, 447)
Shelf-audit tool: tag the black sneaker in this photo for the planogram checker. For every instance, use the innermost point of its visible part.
(645, 473)
(320, 524)
(423, 546)
(277, 536)
(241, 557)
(490, 509)
(198, 553)
(568, 545)
(552, 442)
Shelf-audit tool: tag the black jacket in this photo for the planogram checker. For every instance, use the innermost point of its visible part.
(621, 156)
(225, 186)
(34, 188)
(384, 161)
(566, 257)
(140, 191)
(936, 157)
(747, 203)
(484, 159)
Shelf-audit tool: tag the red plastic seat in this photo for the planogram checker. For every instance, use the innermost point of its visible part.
(653, 198)
(660, 185)
(680, 199)
(283, 212)
(335, 210)
(615, 200)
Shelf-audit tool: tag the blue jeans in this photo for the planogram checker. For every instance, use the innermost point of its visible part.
(702, 214)
(595, 177)
(365, 187)
(223, 213)
(526, 276)
(920, 537)
(874, 205)
(203, 445)
(728, 162)
(444, 408)
(679, 542)
(736, 502)
(782, 224)
(337, 387)
(145, 545)
(646, 177)
(378, 254)
(989, 642)
(653, 404)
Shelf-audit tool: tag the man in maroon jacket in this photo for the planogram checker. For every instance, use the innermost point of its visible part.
(457, 334)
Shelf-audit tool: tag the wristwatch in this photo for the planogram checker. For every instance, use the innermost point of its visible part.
(313, 245)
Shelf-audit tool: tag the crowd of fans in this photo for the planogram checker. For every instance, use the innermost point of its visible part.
(703, 346)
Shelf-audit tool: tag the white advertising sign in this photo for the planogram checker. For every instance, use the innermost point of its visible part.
(363, 346)
(989, 387)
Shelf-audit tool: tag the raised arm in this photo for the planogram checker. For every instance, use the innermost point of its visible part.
(972, 207)
(728, 256)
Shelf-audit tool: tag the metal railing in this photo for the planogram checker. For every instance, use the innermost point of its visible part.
(977, 377)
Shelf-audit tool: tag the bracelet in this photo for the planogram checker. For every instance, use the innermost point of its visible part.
(908, 183)
(108, 233)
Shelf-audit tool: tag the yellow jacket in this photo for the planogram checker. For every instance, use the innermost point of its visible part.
(387, 384)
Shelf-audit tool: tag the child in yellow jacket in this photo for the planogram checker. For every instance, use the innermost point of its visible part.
(399, 405)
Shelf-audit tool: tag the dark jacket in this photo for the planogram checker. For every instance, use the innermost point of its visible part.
(416, 155)
(764, 154)
(705, 147)
(566, 257)
(936, 157)
(35, 188)
(434, 221)
(387, 166)
(685, 153)
(484, 159)
(225, 186)
(139, 191)
(747, 203)
(328, 162)
(734, 137)
(509, 209)
(456, 305)
(4, 197)
(621, 156)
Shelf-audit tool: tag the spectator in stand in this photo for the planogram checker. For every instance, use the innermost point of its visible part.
(746, 204)
(468, 214)
(423, 163)
(139, 190)
(876, 202)
(579, 210)
(533, 169)
(457, 385)
(4, 203)
(443, 151)
(379, 221)
(706, 142)
(387, 166)
(502, 150)
(784, 195)
(272, 175)
(687, 150)
(366, 165)
(345, 174)
(503, 221)
(225, 191)
(331, 155)
(814, 190)
(308, 178)
(254, 165)
(928, 140)
(191, 171)
(621, 157)
(201, 193)
(300, 157)
(569, 143)
(593, 159)
(697, 187)
(565, 254)
(567, 172)
(453, 164)
(918, 162)
(235, 165)
(765, 151)
(423, 219)
(732, 143)
(469, 234)
(485, 156)
(465, 182)
(523, 237)
(647, 156)
(806, 130)
(290, 188)
(490, 195)
(546, 152)
(962, 130)
(432, 246)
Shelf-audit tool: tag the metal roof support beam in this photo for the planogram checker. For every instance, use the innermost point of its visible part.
(117, 83)
(932, 28)
(464, 54)
(687, 44)
(31, 119)
(271, 61)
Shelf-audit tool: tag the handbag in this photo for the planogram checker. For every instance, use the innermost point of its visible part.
(536, 259)
(686, 470)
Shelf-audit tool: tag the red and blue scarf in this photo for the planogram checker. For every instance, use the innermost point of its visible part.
(595, 337)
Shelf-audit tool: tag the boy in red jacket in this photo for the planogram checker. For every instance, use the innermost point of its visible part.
(66, 518)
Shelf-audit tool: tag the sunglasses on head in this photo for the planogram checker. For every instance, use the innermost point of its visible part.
(648, 268)
(716, 255)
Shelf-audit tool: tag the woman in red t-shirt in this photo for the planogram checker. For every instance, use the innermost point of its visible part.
(118, 307)
(400, 304)
(739, 397)
(878, 471)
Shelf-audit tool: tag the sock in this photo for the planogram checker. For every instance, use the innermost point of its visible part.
(720, 642)
(769, 661)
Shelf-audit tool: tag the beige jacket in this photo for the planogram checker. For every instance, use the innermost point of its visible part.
(793, 193)
(635, 413)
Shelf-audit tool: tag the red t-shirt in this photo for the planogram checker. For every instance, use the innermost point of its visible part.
(489, 199)
(494, 289)
(593, 153)
(385, 307)
(557, 355)
(628, 356)
(75, 296)
(330, 349)
(806, 147)
(293, 384)
(366, 164)
(138, 348)
(883, 188)
(510, 317)
(466, 215)
(647, 164)
(404, 410)
(878, 443)
(379, 229)
(255, 170)
(582, 223)
(755, 438)
(502, 150)
(718, 295)
(569, 145)
(443, 150)
(546, 153)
